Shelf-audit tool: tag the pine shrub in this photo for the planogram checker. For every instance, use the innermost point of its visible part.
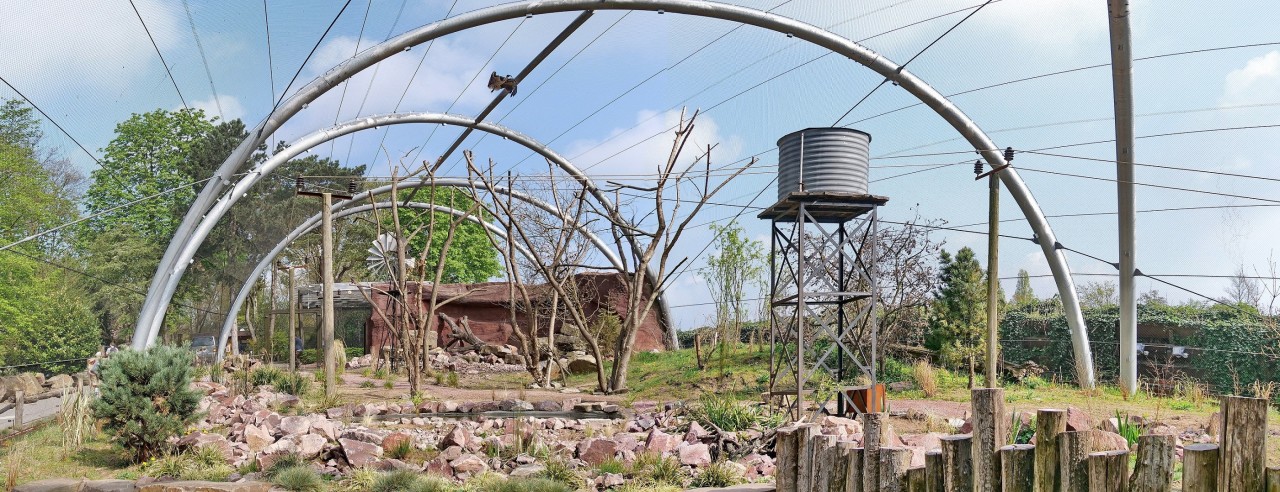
(145, 398)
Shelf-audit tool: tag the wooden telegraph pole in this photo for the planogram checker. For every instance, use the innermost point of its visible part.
(293, 313)
(993, 265)
(326, 274)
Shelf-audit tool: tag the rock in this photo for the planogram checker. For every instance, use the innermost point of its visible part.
(198, 486)
(336, 412)
(581, 364)
(257, 438)
(902, 386)
(55, 485)
(1108, 441)
(109, 486)
(395, 440)
(696, 455)
(515, 406)
(926, 442)
(360, 453)
(596, 451)
(309, 445)
(292, 426)
(61, 382)
(325, 428)
(696, 433)
(548, 406)
(841, 425)
(610, 480)
(469, 463)
(448, 406)
(527, 471)
(215, 441)
(459, 436)
(1078, 420)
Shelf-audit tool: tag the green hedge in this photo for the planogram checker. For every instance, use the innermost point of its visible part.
(1230, 339)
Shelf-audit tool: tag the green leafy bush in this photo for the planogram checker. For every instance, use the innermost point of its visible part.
(264, 376)
(293, 383)
(726, 412)
(308, 356)
(145, 398)
(353, 352)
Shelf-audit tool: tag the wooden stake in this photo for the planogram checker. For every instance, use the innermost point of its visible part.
(1109, 471)
(853, 474)
(990, 432)
(804, 477)
(915, 479)
(933, 471)
(843, 452)
(1049, 423)
(1200, 468)
(1017, 468)
(1273, 479)
(893, 469)
(957, 463)
(1244, 445)
(824, 461)
(1073, 460)
(1153, 471)
(19, 401)
(787, 450)
(872, 434)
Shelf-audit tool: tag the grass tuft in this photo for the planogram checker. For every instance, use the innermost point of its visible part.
(298, 479)
(926, 378)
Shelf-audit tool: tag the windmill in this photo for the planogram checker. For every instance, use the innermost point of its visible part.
(382, 256)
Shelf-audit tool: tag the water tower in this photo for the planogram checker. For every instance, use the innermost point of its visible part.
(823, 276)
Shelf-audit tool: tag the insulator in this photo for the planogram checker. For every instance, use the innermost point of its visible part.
(977, 167)
(300, 183)
(351, 187)
(1008, 155)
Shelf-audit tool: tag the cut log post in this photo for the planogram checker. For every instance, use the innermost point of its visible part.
(1153, 471)
(1244, 446)
(933, 471)
(915, 479)
(990, 432)
(787, 450)
(894, 462)
(957, 463)
(1109, 471)
(1273, 479)
(824, 462)
(840, 466)
(853, 472)
(1200, 468)
(19, 401)
(872, 434)
(1073, 460)
(804, 477)
(1018, 468)
(1049, 423)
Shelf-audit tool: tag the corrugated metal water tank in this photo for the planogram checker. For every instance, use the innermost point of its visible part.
(832, 160)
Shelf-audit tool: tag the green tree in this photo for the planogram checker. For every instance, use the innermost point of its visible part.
(1022, 293)
(145, 398)
(958, 321)
(737, 262)
(471, 259)
(18, 125)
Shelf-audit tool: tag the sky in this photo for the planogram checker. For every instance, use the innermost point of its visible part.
(624, 77)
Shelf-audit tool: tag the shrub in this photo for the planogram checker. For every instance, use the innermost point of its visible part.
(353, 352)
(295, 384)
(451, 379)
(298, 479)
(394, 481)
(725, 412)
(560, 471)
(661, 470)
(145, 398)
(926, 378)
(1127, 428)
(283, 463)
(170, 466)
(308, 356)
(611, 465)
(265, 376)
(717, 475)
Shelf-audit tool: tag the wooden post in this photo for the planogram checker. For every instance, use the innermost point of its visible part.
(787, 450)
(1049, 423)
(1017, 468)
(1200, 468)
(993, 293)
(1073, 460)
(1109, 471)
(957, 463)
(1153, 471)
(804, 477)
(1273, 479)
(271, 315)
(894, 462)
(853, 474)
(1244, 447)
(915, 479)
(841, 455)
(19, 401)
(824, 461)
(933, 471)
(872, 434)
(326, 305)
(990, 432)
(293, 320)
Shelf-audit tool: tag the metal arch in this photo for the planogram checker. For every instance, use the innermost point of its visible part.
(228, 324)
(862, 55)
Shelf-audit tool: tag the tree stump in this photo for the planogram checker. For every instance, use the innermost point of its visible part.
(804, 472)
(894, 462)
(872, 435)
(957, 463)
(1109, 471)
(841, 455)
(1049, 423)
(853, 472)
(1200, 468)
(787, 450)
(1073, 460)
(824, 454)
(990, 432)
(1153, 471)
(1244, 447)
(1273, 479)
(1017, 468)
(915, 479)
(934, 472)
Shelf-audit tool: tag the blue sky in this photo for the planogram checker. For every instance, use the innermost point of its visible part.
(90, 65)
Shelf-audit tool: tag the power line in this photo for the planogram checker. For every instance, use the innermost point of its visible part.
(342, 99)
(1153, 210)
(271, 68)
(159, 54)
(1159, 166)
(1150, 185)
(285, 93)
(186, 5)
(51, 120)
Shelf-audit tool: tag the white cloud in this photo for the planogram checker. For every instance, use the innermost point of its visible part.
(625, 151)
(230, 105)
(1257, 81)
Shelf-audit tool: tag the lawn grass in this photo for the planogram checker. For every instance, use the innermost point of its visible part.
(39, 456)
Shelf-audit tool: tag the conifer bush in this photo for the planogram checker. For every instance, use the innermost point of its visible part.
(145, 398)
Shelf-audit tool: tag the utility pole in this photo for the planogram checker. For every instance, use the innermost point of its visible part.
(326, 274)
(993, 266)
(293, 314)
(271, 315)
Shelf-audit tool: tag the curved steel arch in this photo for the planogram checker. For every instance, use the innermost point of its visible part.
(815, 35)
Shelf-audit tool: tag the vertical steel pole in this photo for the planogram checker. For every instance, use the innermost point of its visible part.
(842, 281)
(993, 281)
(800, 307)
(326, 311)
(1122, 87)
(293, 319)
